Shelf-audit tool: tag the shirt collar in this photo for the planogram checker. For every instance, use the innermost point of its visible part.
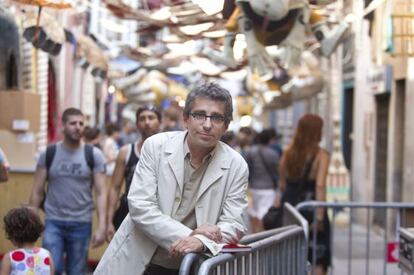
(187, 153)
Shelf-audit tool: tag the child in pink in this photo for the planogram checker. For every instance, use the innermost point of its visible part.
(23, 227)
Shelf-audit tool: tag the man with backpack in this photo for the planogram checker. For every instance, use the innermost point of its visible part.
(72, 170)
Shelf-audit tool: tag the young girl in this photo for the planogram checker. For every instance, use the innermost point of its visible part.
(23, 227)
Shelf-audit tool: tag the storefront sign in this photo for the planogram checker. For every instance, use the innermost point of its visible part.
(392, 252)
(380, 79)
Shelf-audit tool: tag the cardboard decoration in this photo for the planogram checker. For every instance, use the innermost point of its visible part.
(278, 22)
(19, 111)
(46, 34)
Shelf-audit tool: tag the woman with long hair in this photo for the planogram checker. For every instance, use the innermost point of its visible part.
(302, 177)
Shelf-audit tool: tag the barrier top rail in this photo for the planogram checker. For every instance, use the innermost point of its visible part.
(251, 238)
(292, 216)
(354, 204)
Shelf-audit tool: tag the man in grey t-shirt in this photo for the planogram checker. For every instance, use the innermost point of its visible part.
(69, 204)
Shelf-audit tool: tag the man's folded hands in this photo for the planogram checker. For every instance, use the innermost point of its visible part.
(193, 244)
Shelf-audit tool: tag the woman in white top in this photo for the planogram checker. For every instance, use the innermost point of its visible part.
(110, 147)
(4, 167)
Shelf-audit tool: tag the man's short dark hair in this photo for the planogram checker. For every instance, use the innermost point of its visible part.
(266, 135)
(90, 133)
(111, 128)
(228, 137)
(211, 91)
(246, 130)
(150, 108)
(172, 113)
(22, 225)
(70, 112)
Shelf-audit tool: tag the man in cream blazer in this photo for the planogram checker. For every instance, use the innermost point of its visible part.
(187, 195)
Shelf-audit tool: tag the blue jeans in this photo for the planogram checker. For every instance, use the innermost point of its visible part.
(70, 238)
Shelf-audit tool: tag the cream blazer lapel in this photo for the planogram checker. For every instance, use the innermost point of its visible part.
(215, 169)
(175, 151)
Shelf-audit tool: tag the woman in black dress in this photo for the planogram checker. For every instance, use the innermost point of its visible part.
(303, 171)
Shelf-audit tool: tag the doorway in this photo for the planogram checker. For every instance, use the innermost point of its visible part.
(381, 155)
(347, 126)
(399, 140)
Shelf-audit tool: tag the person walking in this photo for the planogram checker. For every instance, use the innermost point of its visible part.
(263, 164)
(73, 170)
(245, 138)
(148, 121)
(110, 147)
(4, 167)
(303, 172)
(188, 192)
(92, 135)
(171, 119)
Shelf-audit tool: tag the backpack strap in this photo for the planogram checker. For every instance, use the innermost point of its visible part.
(50, 154)
(90, 160)
(133, 158)
(267, 167)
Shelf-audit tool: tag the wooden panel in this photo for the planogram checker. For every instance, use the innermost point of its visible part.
(13, 193)
(16, 192)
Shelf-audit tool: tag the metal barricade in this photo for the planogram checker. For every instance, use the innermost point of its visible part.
(365, 229)
(407, 250)
(277, 251)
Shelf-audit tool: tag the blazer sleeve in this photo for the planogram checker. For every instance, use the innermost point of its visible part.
(233, 215)
(143, 204)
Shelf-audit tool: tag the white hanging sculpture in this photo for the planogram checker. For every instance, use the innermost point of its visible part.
(275, 22)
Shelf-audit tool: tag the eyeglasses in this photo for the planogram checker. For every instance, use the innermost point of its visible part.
(215, 119)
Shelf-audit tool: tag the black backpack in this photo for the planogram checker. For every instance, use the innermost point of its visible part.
(50, 155)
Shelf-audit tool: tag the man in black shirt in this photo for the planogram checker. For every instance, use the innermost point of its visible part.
(148, 121)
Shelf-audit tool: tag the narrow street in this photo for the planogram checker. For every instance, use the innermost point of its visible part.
(153, 130)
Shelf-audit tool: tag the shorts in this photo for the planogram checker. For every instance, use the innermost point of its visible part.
(262, 200)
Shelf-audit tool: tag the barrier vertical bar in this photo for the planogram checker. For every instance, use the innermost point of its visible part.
(368, 241)
(384, 268)
(331, 237)
(350, 241)
(187, 262)
(314, 240)
(398, 224)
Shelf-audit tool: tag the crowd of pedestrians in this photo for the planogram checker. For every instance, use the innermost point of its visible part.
(165, 192)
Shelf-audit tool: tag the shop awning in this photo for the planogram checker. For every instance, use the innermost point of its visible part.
(124, 64)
